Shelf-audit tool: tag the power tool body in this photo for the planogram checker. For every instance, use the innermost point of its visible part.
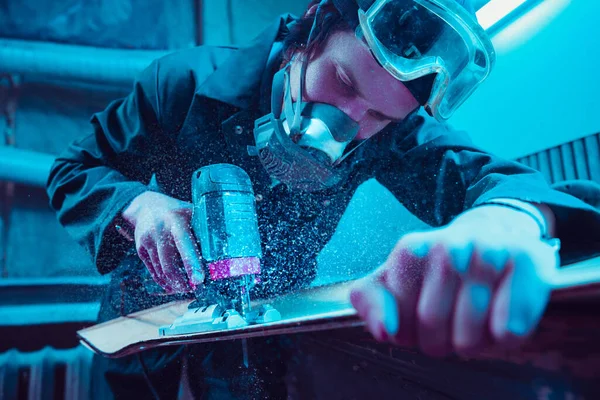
(225, 223)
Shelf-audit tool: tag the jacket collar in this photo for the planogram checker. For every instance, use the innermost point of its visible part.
(239, 79)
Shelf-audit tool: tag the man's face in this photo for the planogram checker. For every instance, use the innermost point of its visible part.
(345, 74)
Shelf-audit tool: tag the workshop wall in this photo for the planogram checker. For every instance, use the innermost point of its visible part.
(544, 91)
(129, 24)
(238, 21)
(47, 119)
(47, 116)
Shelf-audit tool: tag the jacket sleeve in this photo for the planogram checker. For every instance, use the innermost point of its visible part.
(437, 173)
(97, 176)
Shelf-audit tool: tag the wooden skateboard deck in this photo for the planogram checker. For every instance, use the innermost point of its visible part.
(314, 309)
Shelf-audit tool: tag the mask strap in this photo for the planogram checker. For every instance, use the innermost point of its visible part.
(296, 124)
(298, 109)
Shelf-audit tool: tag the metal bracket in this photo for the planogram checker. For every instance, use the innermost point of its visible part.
(216, 318)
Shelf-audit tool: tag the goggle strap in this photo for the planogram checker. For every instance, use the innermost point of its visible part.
(296, 124)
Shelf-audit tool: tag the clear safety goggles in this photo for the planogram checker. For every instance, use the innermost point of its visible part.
(435, 47)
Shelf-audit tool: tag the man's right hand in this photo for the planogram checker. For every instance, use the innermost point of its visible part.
(165, 242)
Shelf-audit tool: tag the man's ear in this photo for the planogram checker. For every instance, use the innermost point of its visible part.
(312, 10)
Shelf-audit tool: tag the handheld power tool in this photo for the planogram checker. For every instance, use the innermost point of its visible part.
(225, 223)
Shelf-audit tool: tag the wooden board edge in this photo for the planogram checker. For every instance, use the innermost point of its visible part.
(314, 326)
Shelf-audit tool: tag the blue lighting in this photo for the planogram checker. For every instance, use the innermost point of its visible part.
(494, 11)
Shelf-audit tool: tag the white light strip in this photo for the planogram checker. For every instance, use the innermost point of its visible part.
(530, 24)
(495, 10)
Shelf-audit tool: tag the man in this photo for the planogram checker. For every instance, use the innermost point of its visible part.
(310, 110)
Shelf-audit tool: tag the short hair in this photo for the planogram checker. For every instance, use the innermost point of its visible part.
(330, 21)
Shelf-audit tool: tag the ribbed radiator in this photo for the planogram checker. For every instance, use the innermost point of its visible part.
(46, 374)
(579, 159)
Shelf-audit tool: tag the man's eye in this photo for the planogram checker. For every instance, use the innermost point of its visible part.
(344, 81)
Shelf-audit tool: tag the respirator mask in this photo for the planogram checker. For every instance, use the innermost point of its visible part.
(303, 144)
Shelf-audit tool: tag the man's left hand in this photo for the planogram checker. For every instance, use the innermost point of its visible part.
(473, 284)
